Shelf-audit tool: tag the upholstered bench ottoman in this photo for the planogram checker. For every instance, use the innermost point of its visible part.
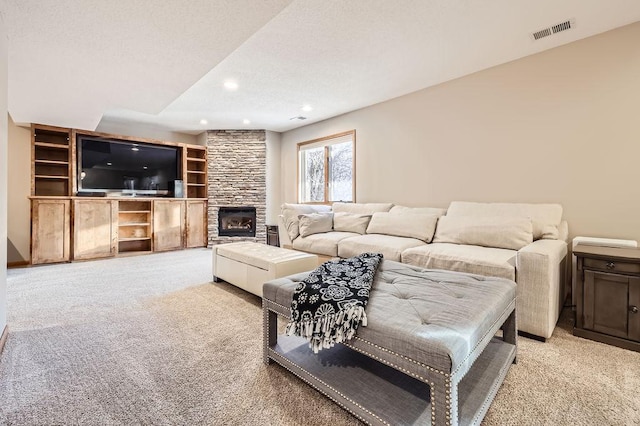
(248, 265)
(429, 354)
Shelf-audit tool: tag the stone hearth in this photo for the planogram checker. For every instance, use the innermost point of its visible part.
(237, 178)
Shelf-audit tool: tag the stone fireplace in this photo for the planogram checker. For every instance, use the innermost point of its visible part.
(237, 181)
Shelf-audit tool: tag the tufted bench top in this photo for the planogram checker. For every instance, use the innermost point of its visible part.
(259, 255)
(432, 317)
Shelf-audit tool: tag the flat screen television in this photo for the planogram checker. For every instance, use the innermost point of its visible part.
(119, 167)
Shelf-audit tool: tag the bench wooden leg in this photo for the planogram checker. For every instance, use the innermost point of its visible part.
(444, 401)
(270, 331)
(510, 331)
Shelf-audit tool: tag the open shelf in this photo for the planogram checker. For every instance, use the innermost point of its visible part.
(196, 176)
(52, 162)
(51, 168)
(51, 145)
(51, 177)
(134, 246)
(134, 225)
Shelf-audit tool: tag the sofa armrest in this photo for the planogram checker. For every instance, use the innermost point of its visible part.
(540, 275)
(283, 236)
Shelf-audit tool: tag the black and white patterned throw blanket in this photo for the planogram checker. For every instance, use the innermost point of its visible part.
(328, 305)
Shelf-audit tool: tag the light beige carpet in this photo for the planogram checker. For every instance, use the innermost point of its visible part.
(150, 340)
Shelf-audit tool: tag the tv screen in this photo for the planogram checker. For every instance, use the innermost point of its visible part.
(129, 168)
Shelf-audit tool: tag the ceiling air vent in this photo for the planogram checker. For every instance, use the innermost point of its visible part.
(546, 32)
(298, 118)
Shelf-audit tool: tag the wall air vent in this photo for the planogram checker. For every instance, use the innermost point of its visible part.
(298, 118)
(546, 32)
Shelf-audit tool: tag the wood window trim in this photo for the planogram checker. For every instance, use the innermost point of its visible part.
(352, 133)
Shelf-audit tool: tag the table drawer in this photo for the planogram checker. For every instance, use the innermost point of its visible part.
(612, 266)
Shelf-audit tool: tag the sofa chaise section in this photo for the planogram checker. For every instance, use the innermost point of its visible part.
(538, 267)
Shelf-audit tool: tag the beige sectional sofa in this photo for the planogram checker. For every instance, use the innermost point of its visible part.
(526, 243)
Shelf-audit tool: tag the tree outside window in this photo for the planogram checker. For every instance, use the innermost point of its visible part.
(326, 169)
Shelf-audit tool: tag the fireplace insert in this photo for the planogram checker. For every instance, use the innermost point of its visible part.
(237, 222)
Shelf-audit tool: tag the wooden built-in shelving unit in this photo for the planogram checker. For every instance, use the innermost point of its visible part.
(69, 227)
(51, 161)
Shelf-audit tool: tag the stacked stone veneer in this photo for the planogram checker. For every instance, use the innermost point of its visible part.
(237, 166)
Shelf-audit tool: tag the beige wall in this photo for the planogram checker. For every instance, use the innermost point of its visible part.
(3, 175)
(560, 126)
(18, 220)
(274, 198)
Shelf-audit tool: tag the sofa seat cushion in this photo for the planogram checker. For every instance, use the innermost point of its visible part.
(496, 231)
(487, 261)
(390, 246)
(325, 243)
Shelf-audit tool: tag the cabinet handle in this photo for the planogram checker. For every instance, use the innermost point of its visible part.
(611, 265)
(633, 309)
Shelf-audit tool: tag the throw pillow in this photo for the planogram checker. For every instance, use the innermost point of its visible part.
(500, 231)
(351, 222)
(315, 223)
(290, 213)
(411, 225)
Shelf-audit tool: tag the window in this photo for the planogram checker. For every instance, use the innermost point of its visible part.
(326, 169)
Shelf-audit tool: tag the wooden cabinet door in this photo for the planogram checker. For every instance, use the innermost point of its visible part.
(168, 224)
(196, 224)
(95, 228)
(634, 314)
(606, 303)
(50, 233)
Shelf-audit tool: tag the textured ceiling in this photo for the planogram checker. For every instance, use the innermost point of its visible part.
(73, 63)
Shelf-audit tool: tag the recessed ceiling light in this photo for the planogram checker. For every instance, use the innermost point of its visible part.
(109, 164)
(204, 122)
(230, 85)
(307, 108)
(145, 167)
(246, 121)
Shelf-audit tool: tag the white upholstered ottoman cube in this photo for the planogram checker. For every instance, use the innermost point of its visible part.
(248, 265)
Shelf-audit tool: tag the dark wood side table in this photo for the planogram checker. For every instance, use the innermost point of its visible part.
(608, 295)
(273, 239)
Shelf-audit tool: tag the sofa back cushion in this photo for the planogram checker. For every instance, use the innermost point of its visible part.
(315, 223)
(411, 225)
(361, 208)
(435, 211)
(351, 222)
(545, 218)
(497, 231)
(290, 213)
